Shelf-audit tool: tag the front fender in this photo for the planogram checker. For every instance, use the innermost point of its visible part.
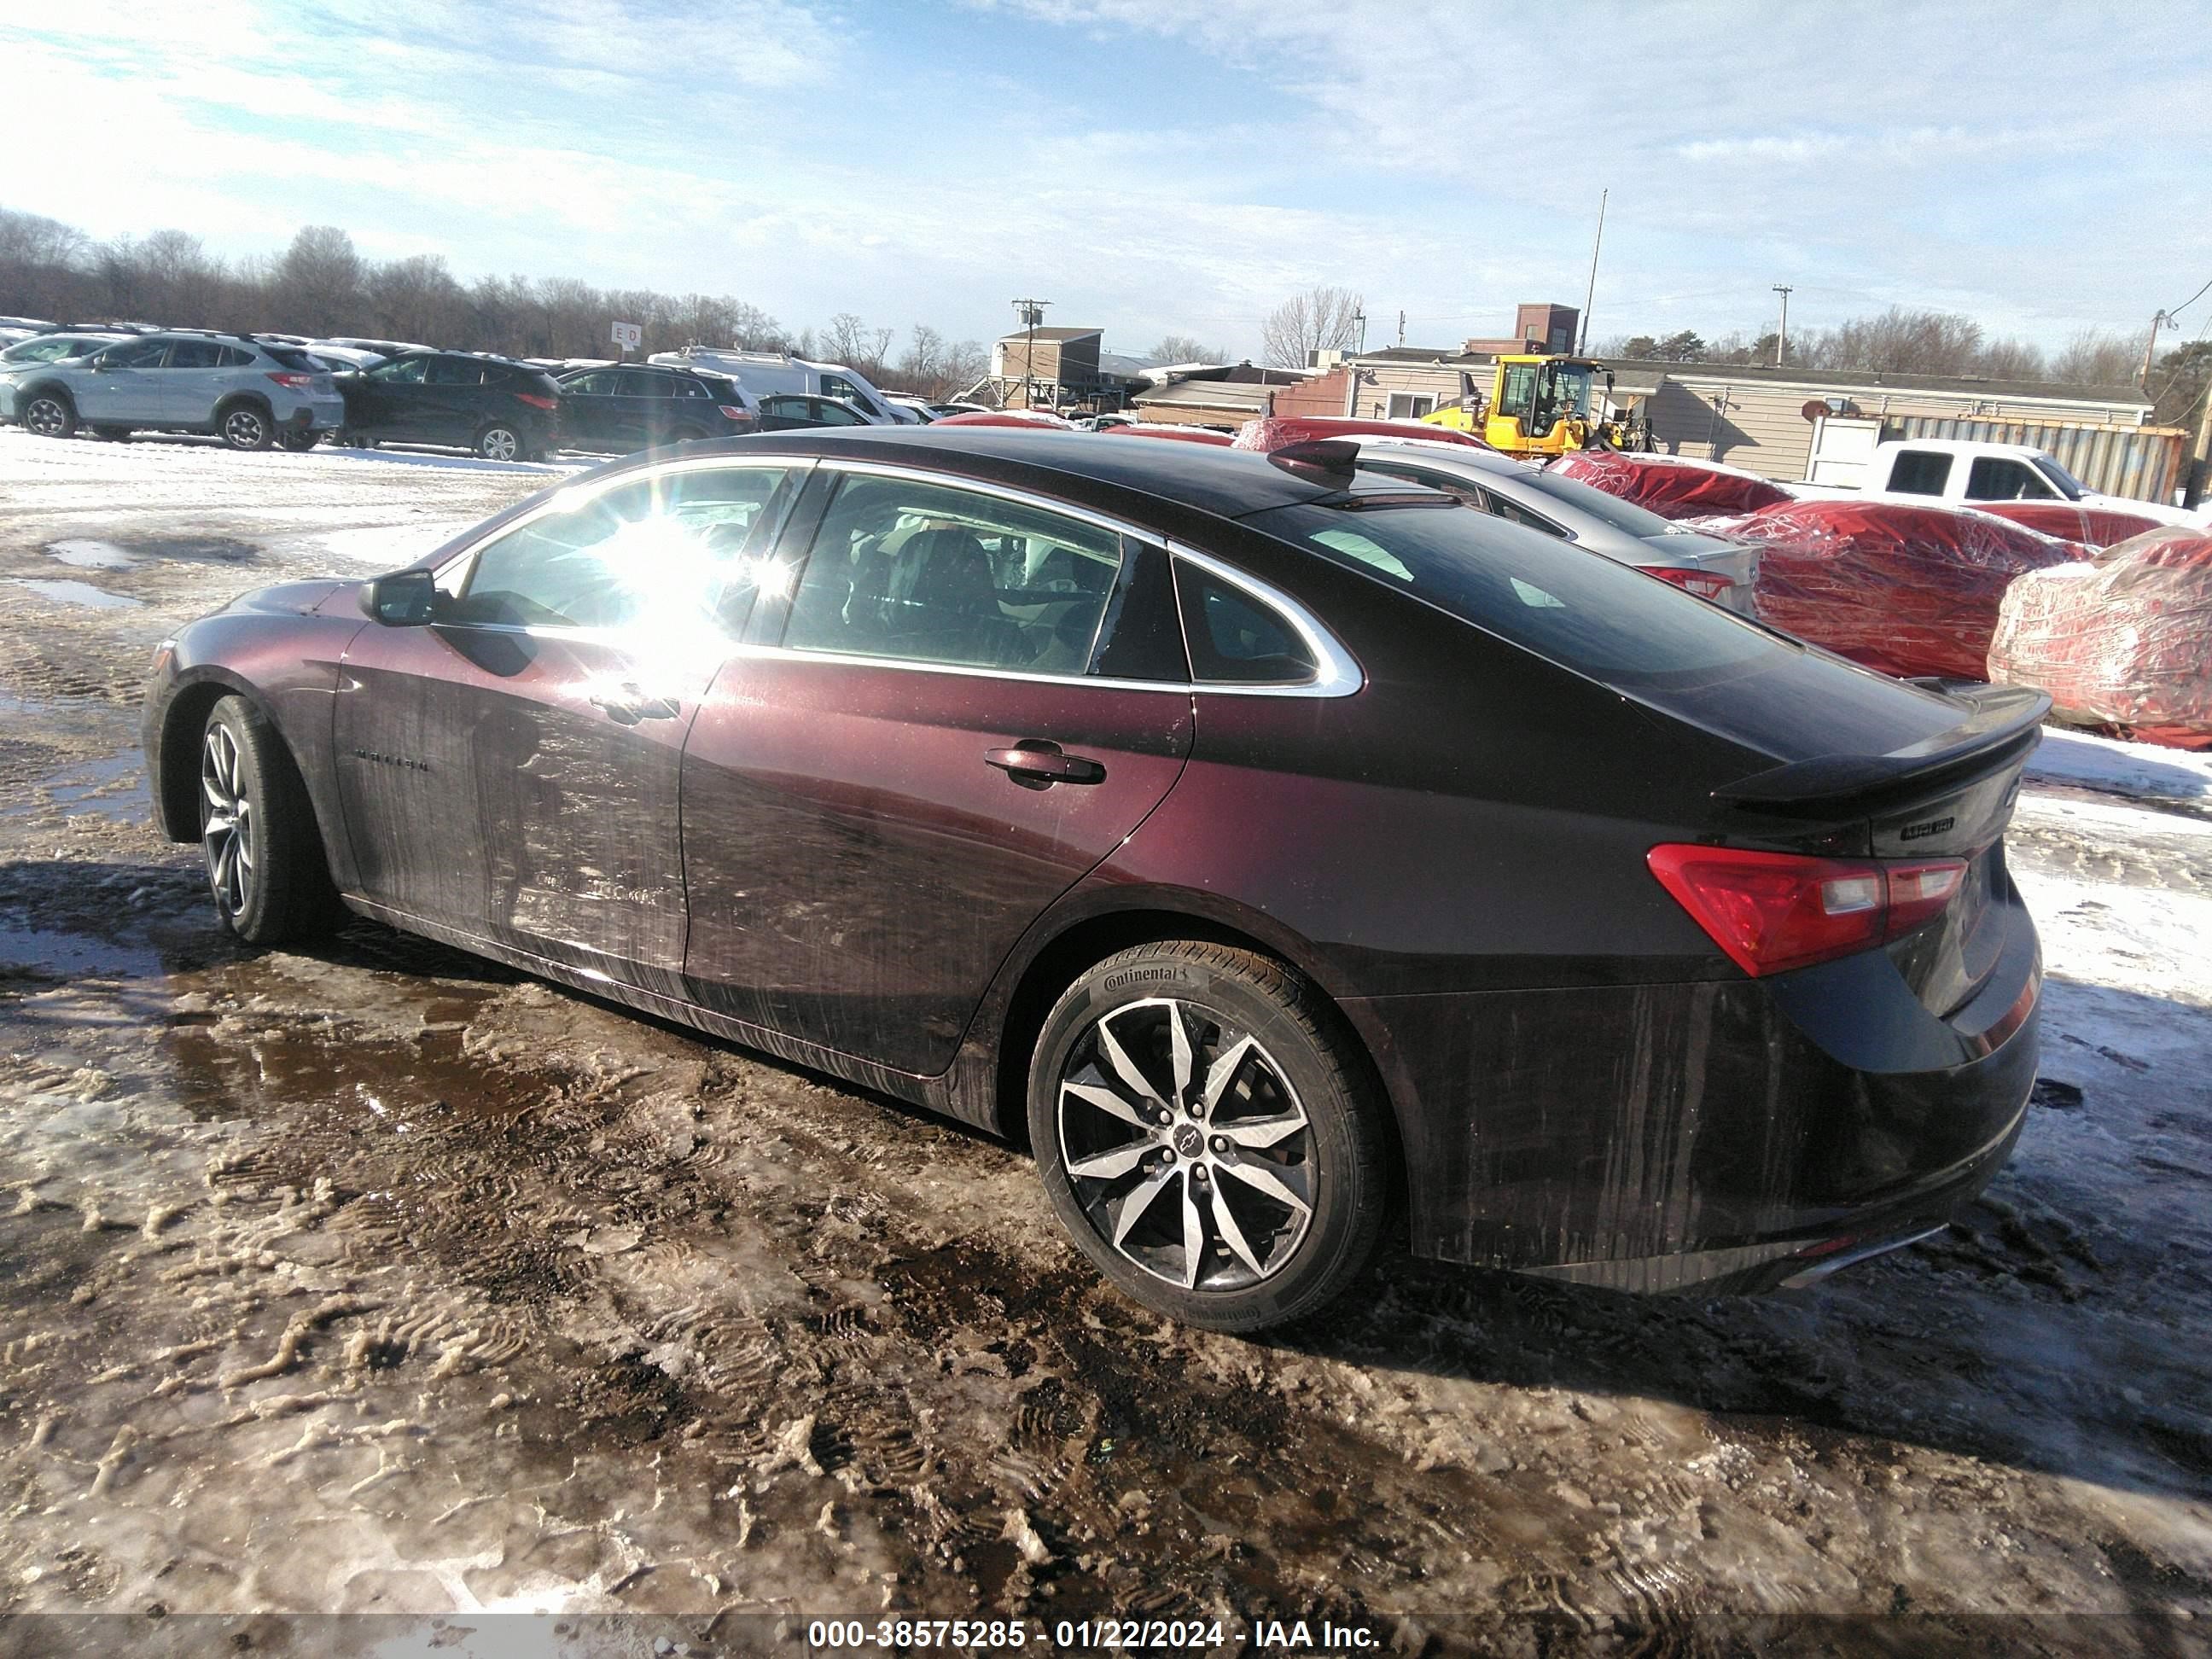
(287, 664)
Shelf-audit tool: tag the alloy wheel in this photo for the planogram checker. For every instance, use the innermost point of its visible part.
(1185, 1146)
(227, 827)
(244, 428)
(47, 417)
(499, 443)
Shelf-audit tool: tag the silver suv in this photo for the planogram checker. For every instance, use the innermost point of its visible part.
(250, 392)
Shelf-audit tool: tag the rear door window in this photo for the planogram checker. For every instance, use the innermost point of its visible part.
(196, 354)
(637, 383)
(601, 384)
(454, 371)
(929, 573)
(1919, 472)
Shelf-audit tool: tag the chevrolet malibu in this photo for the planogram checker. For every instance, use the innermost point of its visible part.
(1287, 851)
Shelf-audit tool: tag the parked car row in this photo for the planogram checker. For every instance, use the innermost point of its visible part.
(254, 389)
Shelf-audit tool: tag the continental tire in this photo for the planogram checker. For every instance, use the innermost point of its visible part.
(1205, 1129)
(262, 853)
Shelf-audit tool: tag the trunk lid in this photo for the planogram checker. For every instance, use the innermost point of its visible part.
(1945, 795)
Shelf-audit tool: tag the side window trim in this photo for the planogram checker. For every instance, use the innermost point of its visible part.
(1339, 674)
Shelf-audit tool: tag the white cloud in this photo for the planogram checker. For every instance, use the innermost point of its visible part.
(1159, 165)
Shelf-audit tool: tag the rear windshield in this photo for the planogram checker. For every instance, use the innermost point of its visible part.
(293, 357)
(1579, 609)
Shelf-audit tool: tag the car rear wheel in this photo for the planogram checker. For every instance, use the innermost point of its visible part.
(1208, 1132)
(499, 443)
(246, 426)
(257, 834)
(49, 417)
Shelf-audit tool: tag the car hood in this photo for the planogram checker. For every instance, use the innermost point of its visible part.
(290, 599)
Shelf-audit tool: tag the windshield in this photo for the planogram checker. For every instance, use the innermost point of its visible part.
(1573, 382)
(1603, 619)
(2068, 486)
(1624, 516)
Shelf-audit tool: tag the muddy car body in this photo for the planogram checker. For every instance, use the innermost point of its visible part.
(1281, 842)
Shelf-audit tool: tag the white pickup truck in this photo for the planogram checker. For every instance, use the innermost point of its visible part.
(1958, 473)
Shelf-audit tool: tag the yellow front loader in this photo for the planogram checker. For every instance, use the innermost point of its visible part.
(1540, 404)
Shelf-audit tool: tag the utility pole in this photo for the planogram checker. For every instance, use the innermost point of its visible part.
(1031, 313)
(2200, 462)
(1781, 339)
(1360, 320)
(1401, 328)
(2150, 350)
(1589, 294)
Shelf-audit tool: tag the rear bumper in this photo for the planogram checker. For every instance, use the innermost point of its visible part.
(1727, 1135)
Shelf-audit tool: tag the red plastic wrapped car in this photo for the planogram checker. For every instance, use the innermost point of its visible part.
(1273, 432)
(1908, 590)
(2092, 526)
(2120, 643)
(1667, 485)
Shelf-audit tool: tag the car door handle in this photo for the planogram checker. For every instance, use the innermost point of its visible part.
(1039, 765)
(629, 706)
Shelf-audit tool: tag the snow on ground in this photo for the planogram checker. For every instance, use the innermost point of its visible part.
(2130, 768)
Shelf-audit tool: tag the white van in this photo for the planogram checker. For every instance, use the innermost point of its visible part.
(766, 373)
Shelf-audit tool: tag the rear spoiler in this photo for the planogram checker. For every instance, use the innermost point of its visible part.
(2003, 729)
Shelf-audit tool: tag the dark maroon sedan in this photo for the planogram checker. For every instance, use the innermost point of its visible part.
(1282, 845)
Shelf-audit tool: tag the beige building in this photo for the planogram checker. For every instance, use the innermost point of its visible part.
(1763, 420)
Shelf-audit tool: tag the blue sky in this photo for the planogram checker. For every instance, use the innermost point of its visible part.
(1158, 165)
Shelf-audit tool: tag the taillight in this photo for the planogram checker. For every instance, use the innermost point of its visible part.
(297, 382)
(731, 412)
(537, 401)
(1775, 911)
(1705, 584)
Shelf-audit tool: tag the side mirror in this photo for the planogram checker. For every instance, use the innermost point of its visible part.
(101, 365)
(406, 598)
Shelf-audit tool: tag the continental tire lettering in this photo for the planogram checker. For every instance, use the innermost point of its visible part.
(1150, 974)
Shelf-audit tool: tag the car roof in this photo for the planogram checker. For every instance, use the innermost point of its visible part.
(1229, 482)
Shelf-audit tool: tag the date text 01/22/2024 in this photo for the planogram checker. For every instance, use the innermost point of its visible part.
(1283, 1636)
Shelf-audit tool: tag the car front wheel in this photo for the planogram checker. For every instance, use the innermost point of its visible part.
(257, 834)
(499, 443)
(1207, 1130)
(49, 417)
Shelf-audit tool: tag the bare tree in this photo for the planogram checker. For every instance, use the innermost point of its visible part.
(2011, 360)
(1900, 341)
(851, 342)
(1187, 348)
(416, 299)
(2094, 357)
(319, 281)
(1320, 320)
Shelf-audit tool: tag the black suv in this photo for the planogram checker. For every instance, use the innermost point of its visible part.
(632, 407)
(502, 409)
